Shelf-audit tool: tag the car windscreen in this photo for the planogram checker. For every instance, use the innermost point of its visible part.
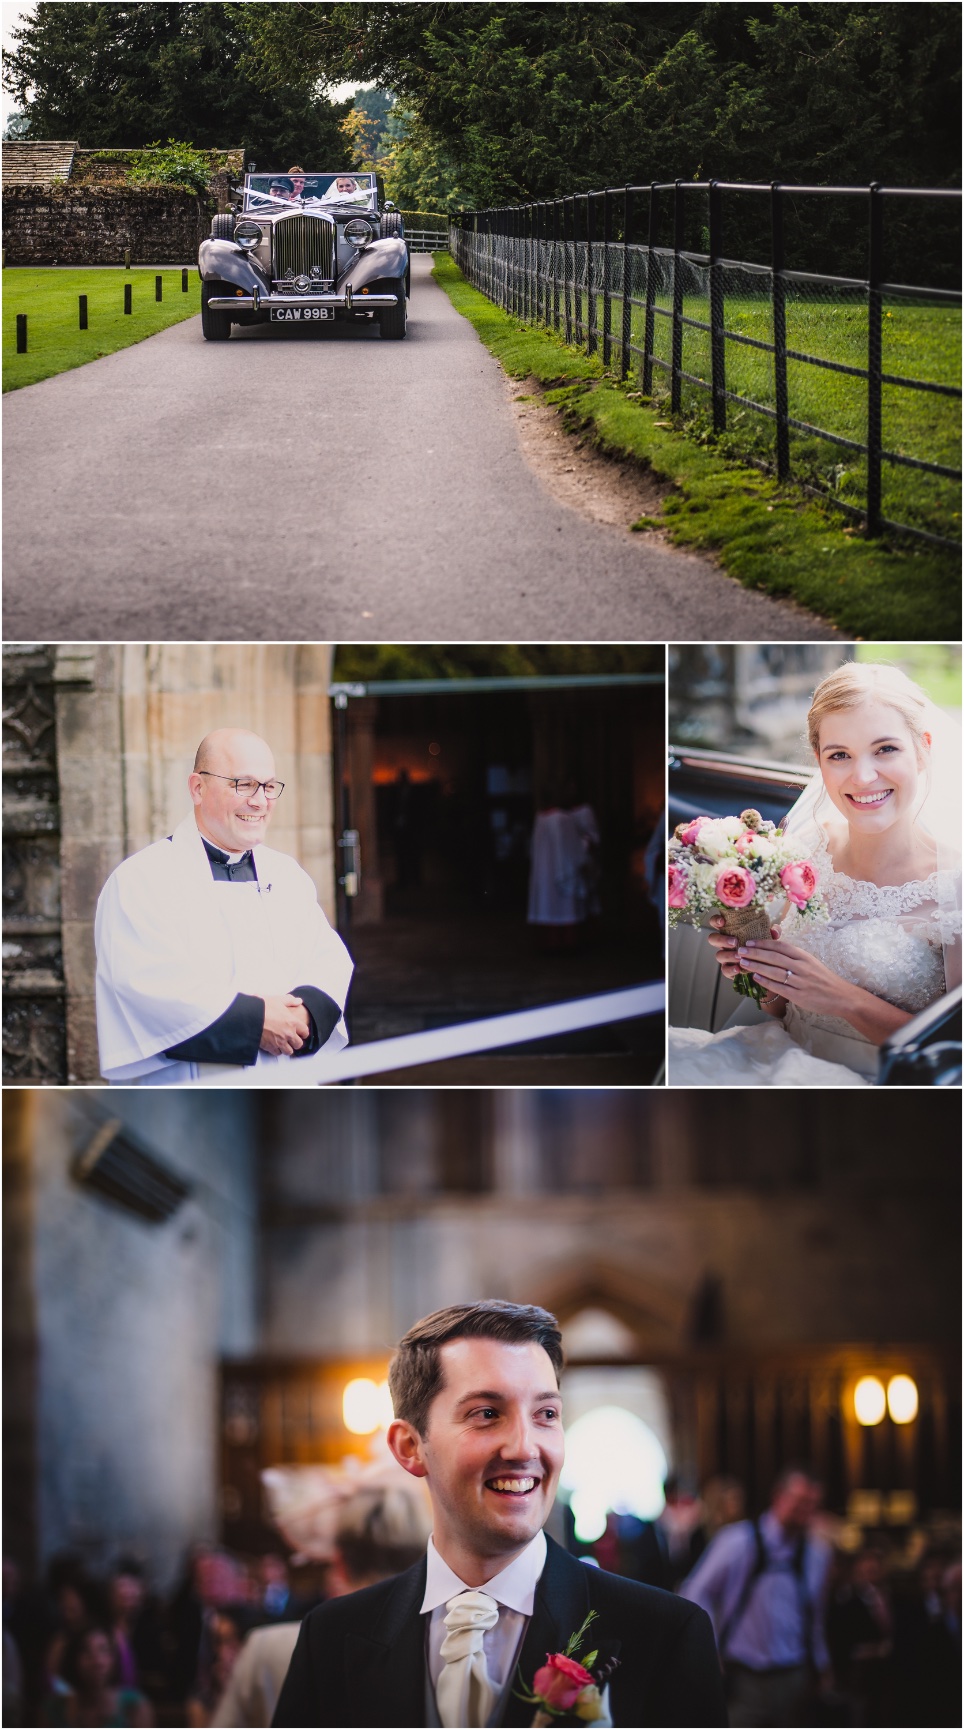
(274, 191)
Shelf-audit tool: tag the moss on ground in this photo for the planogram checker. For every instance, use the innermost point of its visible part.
(768, 535)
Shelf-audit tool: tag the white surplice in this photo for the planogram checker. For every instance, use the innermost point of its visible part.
(174, 948)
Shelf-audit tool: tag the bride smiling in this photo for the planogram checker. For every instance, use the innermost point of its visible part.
(881, 823)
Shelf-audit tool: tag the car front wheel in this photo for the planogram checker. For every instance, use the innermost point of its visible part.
(394, 319)
(215, 326)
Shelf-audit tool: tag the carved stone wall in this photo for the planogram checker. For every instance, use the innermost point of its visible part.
(34, 1022)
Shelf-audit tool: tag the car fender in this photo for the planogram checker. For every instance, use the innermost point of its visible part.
(382, 261)
(222, 261)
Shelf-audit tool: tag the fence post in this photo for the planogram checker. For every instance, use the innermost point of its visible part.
(626, 329)
(158, 288)
(567, 282)
(591, 340)
(676, 388)
(82, 309)
(577, 284)
(127, 297)
(649, 332)
(607, 296)
(184, 280)
(779, 292)
(875, 320)
(555, 263)
(717, 314)
(21, 333)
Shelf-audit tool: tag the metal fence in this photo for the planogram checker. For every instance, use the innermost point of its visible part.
(762, 353)
(425, 231)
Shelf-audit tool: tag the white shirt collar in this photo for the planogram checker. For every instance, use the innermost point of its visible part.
(515, 1586)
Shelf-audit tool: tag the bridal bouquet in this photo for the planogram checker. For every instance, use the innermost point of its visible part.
(735, 866)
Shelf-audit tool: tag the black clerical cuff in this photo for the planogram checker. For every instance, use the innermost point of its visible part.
(234, 1038)
(323, 1014)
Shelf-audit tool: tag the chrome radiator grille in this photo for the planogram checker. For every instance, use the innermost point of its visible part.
(302, 241)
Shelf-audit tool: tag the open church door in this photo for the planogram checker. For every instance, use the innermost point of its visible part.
(491, 837)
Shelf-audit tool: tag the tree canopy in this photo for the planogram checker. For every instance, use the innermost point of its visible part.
(530, 101)
(122, 75)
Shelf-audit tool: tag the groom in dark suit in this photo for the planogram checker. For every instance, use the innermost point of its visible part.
(478, 1415)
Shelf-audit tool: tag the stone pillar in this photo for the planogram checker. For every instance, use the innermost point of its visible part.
(368, 908)
(92, 830)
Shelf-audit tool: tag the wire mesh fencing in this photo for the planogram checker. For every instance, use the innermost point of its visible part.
(848, 384)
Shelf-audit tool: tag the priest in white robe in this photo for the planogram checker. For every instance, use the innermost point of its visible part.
(215, 963)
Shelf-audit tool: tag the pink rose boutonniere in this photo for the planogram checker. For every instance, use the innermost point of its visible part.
(568, 1691)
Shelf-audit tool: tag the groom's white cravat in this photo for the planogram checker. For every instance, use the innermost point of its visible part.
(492, 1645)
(464, 1691)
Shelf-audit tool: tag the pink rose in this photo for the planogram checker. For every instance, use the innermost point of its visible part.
(687, 832)
(744, 842)
(677, 887)
(560, 1681)
(735, 886)
(799, 880)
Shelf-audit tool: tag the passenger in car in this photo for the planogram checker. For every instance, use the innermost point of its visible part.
(881, 824)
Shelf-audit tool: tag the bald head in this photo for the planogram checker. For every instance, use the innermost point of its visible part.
(224, 815)
(228, 744)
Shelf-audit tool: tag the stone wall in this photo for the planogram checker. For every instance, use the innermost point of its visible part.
(118, 1325)
(75, 225)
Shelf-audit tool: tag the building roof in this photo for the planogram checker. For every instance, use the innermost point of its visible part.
(37, 164)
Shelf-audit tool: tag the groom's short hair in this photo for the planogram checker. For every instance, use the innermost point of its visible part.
(415, 1373)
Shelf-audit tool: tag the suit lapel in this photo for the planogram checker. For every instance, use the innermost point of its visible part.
(561, 1605)
(387, 1662)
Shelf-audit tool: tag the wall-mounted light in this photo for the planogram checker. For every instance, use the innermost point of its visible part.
(870, 1401)
(366, 1406)
(902, 1399)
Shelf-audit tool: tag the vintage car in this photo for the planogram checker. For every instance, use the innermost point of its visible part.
(925, 1052)
(305, 249)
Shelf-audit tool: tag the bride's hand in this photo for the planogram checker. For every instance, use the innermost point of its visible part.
(724, 948)
(798, 977)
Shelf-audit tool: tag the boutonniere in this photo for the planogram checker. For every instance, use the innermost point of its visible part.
(566, 1689)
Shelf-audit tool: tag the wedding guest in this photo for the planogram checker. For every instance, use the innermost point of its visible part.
(93, 1694)
(763, 1583)
(860, 1636)
(564, 871)
(213, 955)
(478, 1418)
(379, 1535)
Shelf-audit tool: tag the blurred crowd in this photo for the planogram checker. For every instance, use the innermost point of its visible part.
(816, 1623)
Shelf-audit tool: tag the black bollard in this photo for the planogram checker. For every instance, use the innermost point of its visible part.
(83, 312)
(158, 288)
(21, 333)
(184, 280)
(127, 297)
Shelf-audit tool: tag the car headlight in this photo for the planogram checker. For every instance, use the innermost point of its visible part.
(247, 234)
(358, 232)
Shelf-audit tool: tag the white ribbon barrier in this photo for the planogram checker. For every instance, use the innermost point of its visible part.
(470, 1037)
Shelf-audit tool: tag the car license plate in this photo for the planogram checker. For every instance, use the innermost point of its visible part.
(292, 313)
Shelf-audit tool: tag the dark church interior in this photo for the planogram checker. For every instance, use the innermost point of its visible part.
(203, 1292)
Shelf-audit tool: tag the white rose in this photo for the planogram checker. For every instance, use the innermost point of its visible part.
(713, 839)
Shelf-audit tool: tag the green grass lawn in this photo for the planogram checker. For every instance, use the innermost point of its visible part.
(919, 342)
(55, 343)
(770, 536)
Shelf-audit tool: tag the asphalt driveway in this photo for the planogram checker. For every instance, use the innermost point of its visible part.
(321, 484)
